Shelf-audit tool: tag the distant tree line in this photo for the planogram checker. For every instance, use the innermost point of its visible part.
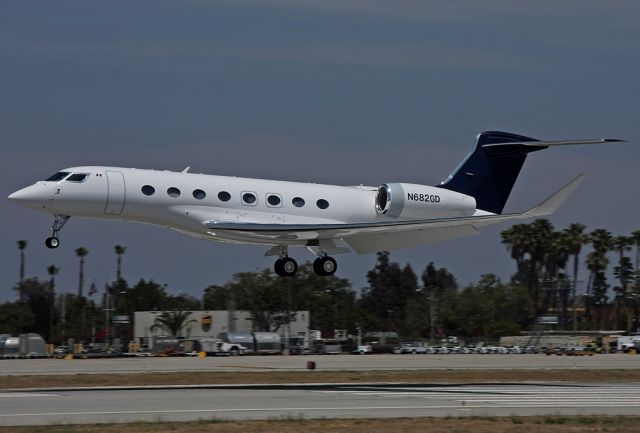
(427, 305)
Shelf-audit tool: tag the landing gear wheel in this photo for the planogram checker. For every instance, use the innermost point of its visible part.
(325, 266)
(52, 242)
(285, 267)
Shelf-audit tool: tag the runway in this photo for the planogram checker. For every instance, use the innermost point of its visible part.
(293, 363)
(314, 401)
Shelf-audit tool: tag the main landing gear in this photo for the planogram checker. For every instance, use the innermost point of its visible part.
(58, 222)
(325, 266)
(285, 266)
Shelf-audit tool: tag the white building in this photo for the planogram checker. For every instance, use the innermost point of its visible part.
(208, 323)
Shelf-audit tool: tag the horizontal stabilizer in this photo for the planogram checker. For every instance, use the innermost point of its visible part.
(538, 143)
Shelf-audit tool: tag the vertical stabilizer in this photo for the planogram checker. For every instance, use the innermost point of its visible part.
(488, 173)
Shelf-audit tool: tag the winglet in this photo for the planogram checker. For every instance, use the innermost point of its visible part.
(551, 204)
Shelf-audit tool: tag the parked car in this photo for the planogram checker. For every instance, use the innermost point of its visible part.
(62, 350)
(363, 349)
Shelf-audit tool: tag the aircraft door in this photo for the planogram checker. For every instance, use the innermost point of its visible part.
(115, 193)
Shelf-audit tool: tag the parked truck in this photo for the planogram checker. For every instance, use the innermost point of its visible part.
(629, 342)
(217, 347)
(252, 342)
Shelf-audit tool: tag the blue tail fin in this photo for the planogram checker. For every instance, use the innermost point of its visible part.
(488, 173)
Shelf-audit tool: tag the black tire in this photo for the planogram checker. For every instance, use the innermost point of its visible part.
(52, 243)
(234, 352)
(285, 267)
(279, 268)
(317, 267)
(325, 266)
(289, 267)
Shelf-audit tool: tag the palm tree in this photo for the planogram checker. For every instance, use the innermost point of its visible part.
(52, 271)
(81, 253)
(172, 321)
(597, 263)
(575, 237)
(540, 238)
(621, 244)
(533, 241)
(120, 250)
(555, 263)
(515, 242)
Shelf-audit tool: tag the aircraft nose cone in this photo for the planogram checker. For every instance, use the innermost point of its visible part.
(19, 195)
(30, 196)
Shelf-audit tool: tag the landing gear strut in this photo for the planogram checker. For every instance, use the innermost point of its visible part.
(285, 266)
(58, 222)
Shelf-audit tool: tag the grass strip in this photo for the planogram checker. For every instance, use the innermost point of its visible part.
(537, 424)
(316, 376)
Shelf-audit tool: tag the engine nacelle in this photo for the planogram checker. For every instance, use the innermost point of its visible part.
(411, 201)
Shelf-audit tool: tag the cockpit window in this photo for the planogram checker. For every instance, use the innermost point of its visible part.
(78, 177)
(58, 176)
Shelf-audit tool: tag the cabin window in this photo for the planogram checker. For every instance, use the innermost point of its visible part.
(78, 177)
(148, 190)
(298, 201)
(173, 192)
(224, 196)
(58, 176)
(322, 203)
(249, 198)
(199, 194)
(274, 200)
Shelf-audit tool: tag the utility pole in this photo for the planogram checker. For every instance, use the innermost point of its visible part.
(107, 314)
(432, 315)
(63, 316)
(575, 304)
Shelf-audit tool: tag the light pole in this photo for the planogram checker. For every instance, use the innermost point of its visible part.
(432, 314)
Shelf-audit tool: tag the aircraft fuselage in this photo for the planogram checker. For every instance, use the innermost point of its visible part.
(193, 203)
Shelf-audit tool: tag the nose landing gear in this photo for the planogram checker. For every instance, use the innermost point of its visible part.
(58, 222)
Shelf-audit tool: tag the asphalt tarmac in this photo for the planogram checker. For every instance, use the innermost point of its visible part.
(326, 362)
(306, 402)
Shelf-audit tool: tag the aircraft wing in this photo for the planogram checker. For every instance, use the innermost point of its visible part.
(370, 237)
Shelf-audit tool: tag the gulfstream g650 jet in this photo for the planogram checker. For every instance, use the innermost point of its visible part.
(325, 219)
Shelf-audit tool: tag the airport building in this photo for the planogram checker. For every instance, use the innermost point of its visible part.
(209, 323)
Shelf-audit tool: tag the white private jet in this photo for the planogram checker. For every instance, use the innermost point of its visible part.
(326, 219)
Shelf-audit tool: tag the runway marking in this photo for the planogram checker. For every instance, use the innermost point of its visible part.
(512, 397)
(25, 395)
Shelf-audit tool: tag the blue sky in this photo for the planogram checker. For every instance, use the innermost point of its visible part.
(344, 92)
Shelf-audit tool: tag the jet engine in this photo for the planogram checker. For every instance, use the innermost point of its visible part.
(411, 201)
